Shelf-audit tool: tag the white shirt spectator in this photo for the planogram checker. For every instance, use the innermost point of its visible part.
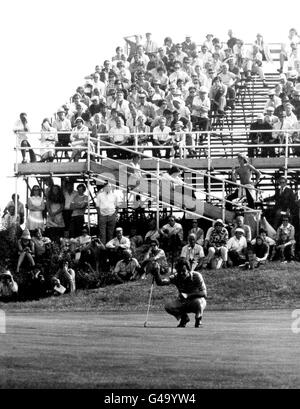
(107, 203)
(235, 244)
(161, 135)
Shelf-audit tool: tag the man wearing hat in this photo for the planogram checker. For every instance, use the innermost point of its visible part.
(216, 244)
(237, 247)
(63, 127)
(270, 117)
(155, 259)
(200, 109)
(79, 139)
(25, 250)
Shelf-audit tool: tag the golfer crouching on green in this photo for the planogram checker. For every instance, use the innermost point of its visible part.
(192, 293)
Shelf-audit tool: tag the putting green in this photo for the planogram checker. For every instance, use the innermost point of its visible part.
(241, 349)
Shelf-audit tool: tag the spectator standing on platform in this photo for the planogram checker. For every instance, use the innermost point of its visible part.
(36, 205)
(244, 171)
(20, 208)
(69, 194)
(79, 205)
(107, 208)
(285, 201)
(20, 129)
(63, 126)
(48, 141)
(55, 205)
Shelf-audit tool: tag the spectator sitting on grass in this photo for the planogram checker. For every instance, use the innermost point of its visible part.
(258, 254)
(26, 250)
(42, 245)
(8, 287)
(83, 243)
(237, 247)
(126, 269)
(64, 279)
(216, 243)
(193, 253)
(285, 241)
(266, 239)
(117, 245)
(198, 232)
(239, 223)
(154, 259)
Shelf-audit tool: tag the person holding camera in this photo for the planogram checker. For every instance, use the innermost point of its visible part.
(192, 293)
(25, 250)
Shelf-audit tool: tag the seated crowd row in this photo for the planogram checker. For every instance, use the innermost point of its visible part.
(123, 258)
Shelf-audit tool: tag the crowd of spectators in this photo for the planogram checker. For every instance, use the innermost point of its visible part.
(171, 90)
(55, 246)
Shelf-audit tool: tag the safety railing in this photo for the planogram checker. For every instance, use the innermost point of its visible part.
(107, 145)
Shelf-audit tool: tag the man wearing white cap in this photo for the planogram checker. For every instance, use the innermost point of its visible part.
(237, 247)
(78, 139)
(63, 126)
(270, 117)
(200, 109)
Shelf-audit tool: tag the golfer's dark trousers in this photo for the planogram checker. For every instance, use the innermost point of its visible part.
(179, 308)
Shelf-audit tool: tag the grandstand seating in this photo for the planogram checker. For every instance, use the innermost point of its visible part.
(230, 130)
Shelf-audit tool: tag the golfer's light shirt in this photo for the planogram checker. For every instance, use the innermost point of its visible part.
(107, 203)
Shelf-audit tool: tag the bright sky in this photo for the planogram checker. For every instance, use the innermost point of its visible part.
(48, 46)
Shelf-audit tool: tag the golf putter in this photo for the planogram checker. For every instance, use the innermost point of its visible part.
(149, 303)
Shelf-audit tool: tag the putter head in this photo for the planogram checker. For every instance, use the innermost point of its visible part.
(145, 324)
